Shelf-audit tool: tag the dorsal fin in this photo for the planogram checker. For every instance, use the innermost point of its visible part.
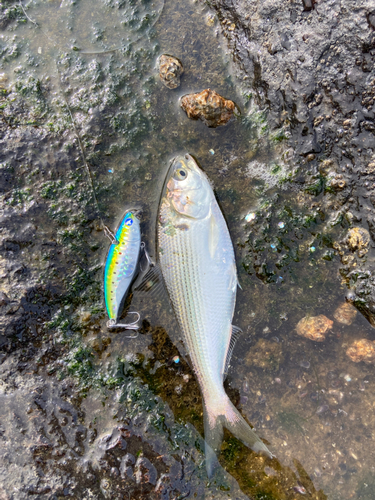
(236, 332)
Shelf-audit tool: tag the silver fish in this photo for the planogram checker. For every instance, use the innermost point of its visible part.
(198, 266)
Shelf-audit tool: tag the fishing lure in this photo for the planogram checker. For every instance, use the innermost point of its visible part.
(121, 268)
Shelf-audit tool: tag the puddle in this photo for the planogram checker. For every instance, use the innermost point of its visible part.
(307, 399)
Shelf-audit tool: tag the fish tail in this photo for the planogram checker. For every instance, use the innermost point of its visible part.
(220, 414)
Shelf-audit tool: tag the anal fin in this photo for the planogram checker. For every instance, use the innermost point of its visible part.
(236, 332)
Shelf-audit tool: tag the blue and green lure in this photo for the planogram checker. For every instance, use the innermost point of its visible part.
(121, 268)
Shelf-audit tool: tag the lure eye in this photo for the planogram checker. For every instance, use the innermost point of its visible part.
(128, 222)
(180, 174)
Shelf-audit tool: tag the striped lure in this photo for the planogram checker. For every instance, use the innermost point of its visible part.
(121, 267)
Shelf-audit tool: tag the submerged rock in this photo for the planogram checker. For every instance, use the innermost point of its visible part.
(314, 327)
(210, 107)
(170, 70)
(362, 350)
(345, 313)
(265, 354)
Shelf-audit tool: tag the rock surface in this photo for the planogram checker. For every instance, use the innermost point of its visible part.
(208, 106)
(310, 66)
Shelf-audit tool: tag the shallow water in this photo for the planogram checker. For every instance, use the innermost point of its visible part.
(307, 400)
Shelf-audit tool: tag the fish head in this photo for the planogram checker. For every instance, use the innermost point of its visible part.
(187, 189)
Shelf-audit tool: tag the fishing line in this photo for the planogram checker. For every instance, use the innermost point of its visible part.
(109, 234)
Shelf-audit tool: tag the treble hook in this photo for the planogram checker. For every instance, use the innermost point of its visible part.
(150, 262)
(130, 326)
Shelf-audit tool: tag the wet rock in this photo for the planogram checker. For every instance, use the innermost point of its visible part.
(170, 71)
(362, 350)
(345, 313)
(126, 468)
(210, 107)
(314, 327)
(113, 440)
(265, 354)
(145, 472)
(358, 239)
(4, 299)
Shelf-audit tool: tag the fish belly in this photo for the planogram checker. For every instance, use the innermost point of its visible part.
(199, 279)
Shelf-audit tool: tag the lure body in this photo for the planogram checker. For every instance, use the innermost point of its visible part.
(121, 265)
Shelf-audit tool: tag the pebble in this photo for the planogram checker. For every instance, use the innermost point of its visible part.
(305, 364)
(322, 409)
(314, 327)
(170, 71)
(362, 350)
(250, 217)
(300, 489)
(345, 313)
(210, 107)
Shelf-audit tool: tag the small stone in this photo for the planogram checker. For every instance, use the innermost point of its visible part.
(250, 217)
(308, 5)
(85, 316)
(281, 225)
(358, 238)
(345, 313)
(170, 70)
(210, 107)
(362, 350)
(210, 20)
(314, 327)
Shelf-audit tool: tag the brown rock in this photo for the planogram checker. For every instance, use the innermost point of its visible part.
(210, 107)
(362, 350)
(314, 327)
(170, 70)
(345, 313)
(358, 238)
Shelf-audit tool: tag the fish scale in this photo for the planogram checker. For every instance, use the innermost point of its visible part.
(197, 261)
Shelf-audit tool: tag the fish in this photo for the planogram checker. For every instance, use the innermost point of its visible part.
(197, 263)
(121, 268)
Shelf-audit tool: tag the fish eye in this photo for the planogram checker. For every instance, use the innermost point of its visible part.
(180, 174)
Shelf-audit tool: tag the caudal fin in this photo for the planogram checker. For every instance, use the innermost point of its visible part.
(218, 415)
